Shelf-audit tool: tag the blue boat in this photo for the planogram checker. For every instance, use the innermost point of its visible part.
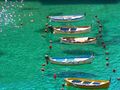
(66, 18)
(72, 60)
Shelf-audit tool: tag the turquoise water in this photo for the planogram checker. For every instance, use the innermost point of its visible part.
(23, 44)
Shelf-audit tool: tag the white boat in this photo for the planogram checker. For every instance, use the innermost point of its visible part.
(71, 29)
(78, 40)
(85, 59)
(66, 18)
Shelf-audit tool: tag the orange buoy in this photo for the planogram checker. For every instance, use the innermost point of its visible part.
(50, 47)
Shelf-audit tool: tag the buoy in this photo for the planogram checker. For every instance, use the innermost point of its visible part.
(100, 35)
(100, 26)
(63, 85)
(46, 58)
(96, 16)
(50, 41)
(50, 47)
(99, 30)
(118, 78)
(46, 24)
(46, 30)
(42, 69)
(106, 53)
(104, 46)
(47, 17)
(43, 64)
(107, 58)
(114, 70)
(55, 76)
(62, 89)
(32, 20)
(21, 24)
(107, 63)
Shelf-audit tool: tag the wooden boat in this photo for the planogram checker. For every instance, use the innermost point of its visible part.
(72, 60)
(78, 40)
(87, 83)
(66, 18)
(71, 30)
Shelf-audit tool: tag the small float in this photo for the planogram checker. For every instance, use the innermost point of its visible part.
(87, 83)
(78, 40)
(85, 59)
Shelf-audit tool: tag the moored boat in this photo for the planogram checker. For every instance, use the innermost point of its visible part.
(71, 30)
(66, 18)
(87, 83)
(86, 59)
(78, 40)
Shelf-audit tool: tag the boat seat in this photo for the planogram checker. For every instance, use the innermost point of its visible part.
(76, 81)
(64, 29)
(86, 82)
(73, 29)
(96, 83)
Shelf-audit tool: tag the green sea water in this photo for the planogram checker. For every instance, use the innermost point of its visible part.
(23, 44)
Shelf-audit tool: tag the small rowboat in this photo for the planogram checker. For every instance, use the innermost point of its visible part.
(66, 18)
(72, 60)
(87, 83)
(76, 40)
(71, 30)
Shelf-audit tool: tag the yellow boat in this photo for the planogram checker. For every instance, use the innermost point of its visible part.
(87, 83)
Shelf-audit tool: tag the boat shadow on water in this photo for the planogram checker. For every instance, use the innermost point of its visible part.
(73, 74)
(79, 52)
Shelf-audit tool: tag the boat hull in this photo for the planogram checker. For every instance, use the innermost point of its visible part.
(105, 85)
(92, 41)
(66, 18)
